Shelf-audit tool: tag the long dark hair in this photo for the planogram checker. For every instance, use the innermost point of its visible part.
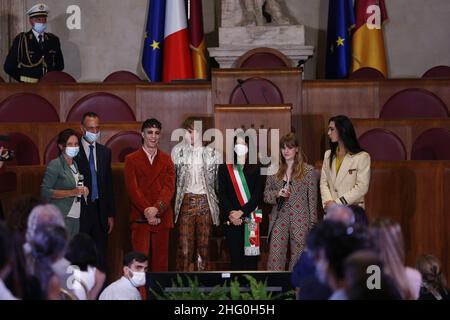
(347, 134)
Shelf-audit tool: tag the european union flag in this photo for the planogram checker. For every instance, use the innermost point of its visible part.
(341, 19)
(154, 39)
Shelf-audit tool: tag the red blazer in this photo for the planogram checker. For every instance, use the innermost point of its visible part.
(150, 185)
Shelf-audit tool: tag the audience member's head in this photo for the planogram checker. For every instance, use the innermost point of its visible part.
(365, 278)
(21, 209)
(434, 280)
(340, 213)
(6, 251)
(43, 215)
(47, 246)
(331, 243)
(135, 266)
(82, 251)
(387, 238)
(360, 215)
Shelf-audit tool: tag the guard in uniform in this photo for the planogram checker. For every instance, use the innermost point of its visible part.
(36, 52)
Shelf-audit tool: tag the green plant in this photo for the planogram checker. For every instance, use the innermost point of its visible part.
(257, 290)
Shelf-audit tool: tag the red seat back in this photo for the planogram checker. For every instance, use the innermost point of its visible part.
(51, 151)
(263, 58)
(108, 107)
(383, 145)
(257, 91)
(124, 143)
(57, 77)
(414, 103)
(366, 73)
(122, 77)
(26, 153)
(433, 144)
(438, 72)
(27, 107)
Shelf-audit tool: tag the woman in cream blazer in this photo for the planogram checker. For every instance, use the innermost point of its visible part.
(345, 173)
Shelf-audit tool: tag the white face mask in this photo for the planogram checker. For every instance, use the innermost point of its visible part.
(138, 278)
(72, 152)
(40, 27)
(241, 149)
(92, 137)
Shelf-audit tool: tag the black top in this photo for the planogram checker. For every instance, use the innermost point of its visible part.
(227, 195)
(26, 52)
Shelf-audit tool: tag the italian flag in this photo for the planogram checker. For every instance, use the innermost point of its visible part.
(177, 59)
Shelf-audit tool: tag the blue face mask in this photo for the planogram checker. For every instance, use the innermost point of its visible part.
(92, 137)
(72, 152)
(40, 27)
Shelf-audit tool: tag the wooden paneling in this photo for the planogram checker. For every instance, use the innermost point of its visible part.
(288, 80)
(406, 130)
(315, 139)
(43, 133)
(356, 99)
(171, 104)
(362, 98)
(276, 117)
(412, 193)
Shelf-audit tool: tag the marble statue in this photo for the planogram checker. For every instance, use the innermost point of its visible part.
(241, 13)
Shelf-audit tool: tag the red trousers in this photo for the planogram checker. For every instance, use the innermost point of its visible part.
(154, 244)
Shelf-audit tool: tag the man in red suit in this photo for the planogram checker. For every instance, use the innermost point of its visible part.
(150, 182)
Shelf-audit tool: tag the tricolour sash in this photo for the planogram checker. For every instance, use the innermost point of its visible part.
(251, 236)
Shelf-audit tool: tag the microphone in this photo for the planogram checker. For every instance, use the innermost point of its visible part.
(240, 83)
(80, 183)
(281, 200)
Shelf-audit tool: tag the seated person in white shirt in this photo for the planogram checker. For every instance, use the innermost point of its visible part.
(87, 279)
(135, 266)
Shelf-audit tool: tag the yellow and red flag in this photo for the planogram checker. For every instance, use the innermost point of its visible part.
(368, 40)
(197, 40)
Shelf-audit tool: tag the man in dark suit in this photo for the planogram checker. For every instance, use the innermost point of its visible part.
(36, 52)
(94, 163)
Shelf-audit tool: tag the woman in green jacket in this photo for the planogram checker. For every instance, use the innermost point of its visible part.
(59, 185)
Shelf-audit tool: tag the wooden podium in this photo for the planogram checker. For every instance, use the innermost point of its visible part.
(257, 117)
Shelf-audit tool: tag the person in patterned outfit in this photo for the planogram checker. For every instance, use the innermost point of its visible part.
(293, 192)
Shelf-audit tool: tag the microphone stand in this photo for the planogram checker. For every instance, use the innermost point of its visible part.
(240, 83)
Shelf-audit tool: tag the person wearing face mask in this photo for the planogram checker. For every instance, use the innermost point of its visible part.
(135, 266)
(94, 162)
(36, 52)
(59, 186)
(241, 187)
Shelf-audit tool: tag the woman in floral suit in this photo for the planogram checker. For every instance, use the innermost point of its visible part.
(293, 192)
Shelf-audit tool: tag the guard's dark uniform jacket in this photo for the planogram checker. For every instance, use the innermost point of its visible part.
(27, 62)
